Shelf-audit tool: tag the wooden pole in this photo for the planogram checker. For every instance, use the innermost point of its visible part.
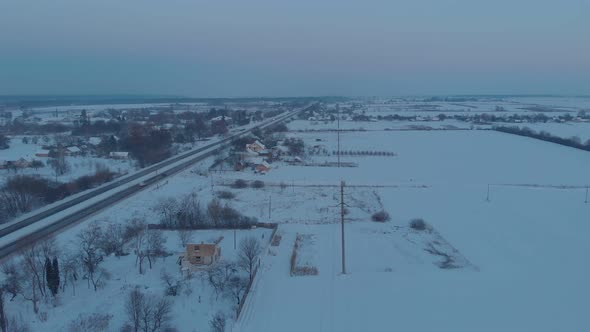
(342, 224)
(586, 200)
(488, 196)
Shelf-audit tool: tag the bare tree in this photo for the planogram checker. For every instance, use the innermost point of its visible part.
(172, 284)
(33, 262)
(185, 236)
(91, 255)
(113, 240)
(154, 245)
(215, 210)
(58, 163)
(190, 213)
(217, 323)
(219, 276)
(133, 308)
(235, 289)
(250, 249)
(3, 322)
(13, 203)
(12, 279)
(69, 269)
(147, 313)
(167, 208)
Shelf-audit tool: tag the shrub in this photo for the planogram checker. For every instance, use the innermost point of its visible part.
(225, 194)
(276, 240)
(89, 323)
(240, 184)
(380, 216)
(258, 184)
(418, 224)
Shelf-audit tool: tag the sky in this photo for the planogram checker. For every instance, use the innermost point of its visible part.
(295, 48)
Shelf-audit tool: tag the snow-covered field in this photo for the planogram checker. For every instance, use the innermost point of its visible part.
(521, 254)
(515, 258)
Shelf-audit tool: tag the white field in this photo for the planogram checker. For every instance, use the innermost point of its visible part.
(522, 255)
(526, 247)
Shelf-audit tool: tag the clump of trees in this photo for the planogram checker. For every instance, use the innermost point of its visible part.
(418, 224)
(240, 184)
(23, 193)
(147, 146)
(224, 194)
(187, 213)
(257, 184)
(295, 145)
(380, 216)
(147, 312)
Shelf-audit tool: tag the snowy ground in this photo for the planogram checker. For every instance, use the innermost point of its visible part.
(521, 254)
(519, 257)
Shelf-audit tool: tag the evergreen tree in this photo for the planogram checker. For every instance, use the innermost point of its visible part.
(48, 272)
(56, 279)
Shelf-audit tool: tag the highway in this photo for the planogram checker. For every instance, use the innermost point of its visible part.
(187, 159)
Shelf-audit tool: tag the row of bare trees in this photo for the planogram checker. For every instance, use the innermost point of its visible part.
(187, 213)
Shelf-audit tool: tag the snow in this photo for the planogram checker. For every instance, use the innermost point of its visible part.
(519, 254)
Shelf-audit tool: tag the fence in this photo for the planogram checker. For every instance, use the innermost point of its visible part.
(274, 226)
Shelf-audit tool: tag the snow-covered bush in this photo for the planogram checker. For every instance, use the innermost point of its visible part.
(257, 184)
(95, 322)
(418, 224)
(380, 216)
(224, 194)
(240, 184)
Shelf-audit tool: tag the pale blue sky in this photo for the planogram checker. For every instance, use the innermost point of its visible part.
(219, 48)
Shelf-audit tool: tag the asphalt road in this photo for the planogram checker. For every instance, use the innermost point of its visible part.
(77, 216)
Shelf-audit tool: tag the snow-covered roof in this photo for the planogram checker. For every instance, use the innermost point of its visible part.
(42, 152)
(94, 140)
(221, 117)
(73, 149)
(119, 154)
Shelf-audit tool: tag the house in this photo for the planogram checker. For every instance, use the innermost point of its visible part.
(256, 146)
(3, 164)
(42, 153)
(198, 256)
(263, 167)
(119, 155)
(72, 151)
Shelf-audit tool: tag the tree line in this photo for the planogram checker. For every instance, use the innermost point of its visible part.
(574, 141)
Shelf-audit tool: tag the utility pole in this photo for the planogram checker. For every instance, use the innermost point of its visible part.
(338, 147)
(488, 196)
(235, 239)
(338, 132)
(586, 200)
(342, 224)
(269, 206)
